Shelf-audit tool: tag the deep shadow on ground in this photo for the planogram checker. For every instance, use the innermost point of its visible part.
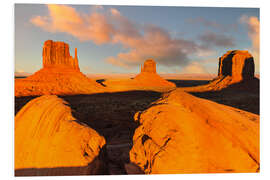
(111, 115)
(188, 83)
(244, 96)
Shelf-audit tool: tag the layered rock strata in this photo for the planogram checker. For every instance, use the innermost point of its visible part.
(50, 141)
(183, 134)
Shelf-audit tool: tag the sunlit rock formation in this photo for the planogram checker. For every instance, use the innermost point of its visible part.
(236, 69)
(147, 79)
(50, 141)
(149, 66)
(181, 133)
(60, 75)
(237, 64)
(56, 55)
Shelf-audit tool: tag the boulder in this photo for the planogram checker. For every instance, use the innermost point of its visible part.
(50, 141)
(181, 133)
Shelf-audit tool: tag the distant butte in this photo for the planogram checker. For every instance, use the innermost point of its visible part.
(149, 66)
(147, 79)
(149, 76)
(236, 69)
(60, 74)
(237, 64)
(56, 55)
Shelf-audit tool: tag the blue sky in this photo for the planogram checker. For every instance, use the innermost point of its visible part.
(117, 39)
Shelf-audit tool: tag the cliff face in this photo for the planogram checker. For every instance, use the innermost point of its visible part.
(50, 141)
(56, 55)
(149, 77)
(180, 133)
(236, 69)
(149, 66)
(237, 64)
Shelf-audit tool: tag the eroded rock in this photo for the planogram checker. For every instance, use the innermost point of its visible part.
(56, 55)
(149, 66)
(60, 75)
(237, 64)
(50, 141)
(184, 134)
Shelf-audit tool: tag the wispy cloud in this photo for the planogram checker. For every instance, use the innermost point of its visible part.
(253, 25)
(212, 24)
(213, 39)
(194, 68)
(141, 41)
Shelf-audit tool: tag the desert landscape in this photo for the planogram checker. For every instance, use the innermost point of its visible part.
(71, 123)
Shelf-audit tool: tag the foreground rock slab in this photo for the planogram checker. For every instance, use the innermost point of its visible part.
(183, 134)
(50, 141)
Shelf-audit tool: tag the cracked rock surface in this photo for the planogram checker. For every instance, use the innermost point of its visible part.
(181, 133)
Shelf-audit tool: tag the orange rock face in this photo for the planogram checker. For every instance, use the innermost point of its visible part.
(50, 141)
(149, 66)
(60, 75)
(237, 64)
(235, 68)
(56, 55)
(148, 79)
(184, 134)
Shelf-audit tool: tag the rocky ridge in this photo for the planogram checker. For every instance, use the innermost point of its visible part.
(183, 134)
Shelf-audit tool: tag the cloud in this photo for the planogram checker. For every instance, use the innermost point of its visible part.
(253, 25)
(212, 24)
(194, 68)
(66, 19)
(213, 39)
(140, 41)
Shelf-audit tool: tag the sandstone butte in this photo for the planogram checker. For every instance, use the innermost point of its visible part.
(60, 74)
(236, 69)
(50, 141)
(148, 79)
(181, 133)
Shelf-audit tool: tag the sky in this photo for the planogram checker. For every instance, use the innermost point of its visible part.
(118, 39)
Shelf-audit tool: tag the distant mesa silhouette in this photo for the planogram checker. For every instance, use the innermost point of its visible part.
(180, 133)
(50, 141)
(60, 74)
(236, 69)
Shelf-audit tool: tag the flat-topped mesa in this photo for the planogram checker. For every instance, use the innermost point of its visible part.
(149, 66)
(56, 55)
(237, 64)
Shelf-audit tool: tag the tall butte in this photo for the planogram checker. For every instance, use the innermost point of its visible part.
(236, 70)
(56, 55)
(60, 74)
